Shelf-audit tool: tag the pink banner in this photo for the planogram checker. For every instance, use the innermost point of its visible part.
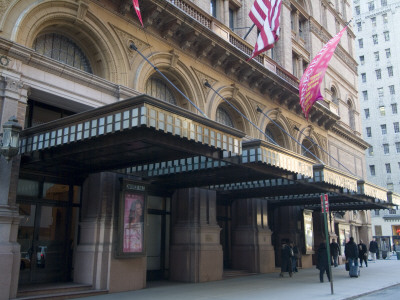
(309, 87)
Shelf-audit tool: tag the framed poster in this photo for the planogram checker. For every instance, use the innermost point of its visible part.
(131, 229)
(308, 231)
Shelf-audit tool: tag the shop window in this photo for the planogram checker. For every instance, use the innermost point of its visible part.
(62, 49)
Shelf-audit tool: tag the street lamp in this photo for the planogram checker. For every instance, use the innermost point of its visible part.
(9, 145)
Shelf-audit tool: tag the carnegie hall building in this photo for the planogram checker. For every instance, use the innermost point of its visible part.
(160, 152)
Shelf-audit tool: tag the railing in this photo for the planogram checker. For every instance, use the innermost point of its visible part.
(223, 31)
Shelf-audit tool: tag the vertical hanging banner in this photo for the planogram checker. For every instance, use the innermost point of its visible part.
(265, 14)
(309, 87)
(137, 9)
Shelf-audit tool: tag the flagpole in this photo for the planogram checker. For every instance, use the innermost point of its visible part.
(260, 110)
(207, 84)
(251, 28)
(133, 47)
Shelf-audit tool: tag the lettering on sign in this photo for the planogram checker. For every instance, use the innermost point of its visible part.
(135, 187)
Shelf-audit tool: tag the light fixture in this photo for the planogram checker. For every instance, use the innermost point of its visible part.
(9, 145)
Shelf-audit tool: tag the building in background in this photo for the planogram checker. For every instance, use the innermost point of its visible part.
(126, 174)
(376, 27)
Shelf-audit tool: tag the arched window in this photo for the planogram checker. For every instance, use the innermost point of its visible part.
(309, 148)
(157, 88)
(275, 133)
(334, 96)
(351, 115)
(223, 117)
(63, 49)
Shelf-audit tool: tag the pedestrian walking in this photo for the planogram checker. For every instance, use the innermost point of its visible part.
(323, 262)
(362, 253)
(295, 257)
(335, 252)
(351, 253)
(373, 249)
(286, 258)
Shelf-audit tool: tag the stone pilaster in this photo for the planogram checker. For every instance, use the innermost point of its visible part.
(94, 250)
(195, 252)
(251, 241)
(13, 98)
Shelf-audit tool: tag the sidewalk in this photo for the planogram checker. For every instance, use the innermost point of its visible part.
(303, 285)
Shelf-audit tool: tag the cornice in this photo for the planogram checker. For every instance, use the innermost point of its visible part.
(348, 135)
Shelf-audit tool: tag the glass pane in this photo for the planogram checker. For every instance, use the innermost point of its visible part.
(56, 192)
(28, 188)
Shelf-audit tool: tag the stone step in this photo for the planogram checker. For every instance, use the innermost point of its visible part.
(57, 291)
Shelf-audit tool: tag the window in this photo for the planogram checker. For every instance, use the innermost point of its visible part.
(390, 71)
(369, 133)
(397, 144)
(157, 88)
(378, 74)
(373, 21)
(62, 49)
(383, 129)
(388, 169)
(231, 19)
(371, 5)
(372, 170)
(396, 127)
(386, 148)
(375, 39)
(385, 18)
(382, 110)
(357, 10)
(388, 54)
(359, 27)
(365, 95)
(371, 151)
(360, 43)
(380, 92)
(394, 108)
(386, 35)
(366, 111)
(383, 2)
(362, 60)
(376, 55)
(223, 117)
(213, 8)
(363, 77)
(391, 89)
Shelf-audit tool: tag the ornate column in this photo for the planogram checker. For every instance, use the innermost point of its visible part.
(196, 252)
(13, 99)
(252, 249)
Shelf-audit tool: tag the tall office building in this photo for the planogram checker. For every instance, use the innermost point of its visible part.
(378, 44)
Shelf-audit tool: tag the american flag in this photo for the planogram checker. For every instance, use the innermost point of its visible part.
(265, 15)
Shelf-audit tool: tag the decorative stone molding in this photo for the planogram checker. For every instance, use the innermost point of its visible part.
(126, 39)
(203, 78)
(321, 34)
(82, 10)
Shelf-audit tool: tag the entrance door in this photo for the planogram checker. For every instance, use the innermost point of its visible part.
(157, 237)
(46, 235)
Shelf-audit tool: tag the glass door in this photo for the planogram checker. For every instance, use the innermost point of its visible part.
(47, 234)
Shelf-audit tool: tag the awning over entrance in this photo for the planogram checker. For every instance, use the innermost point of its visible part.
(173, 148)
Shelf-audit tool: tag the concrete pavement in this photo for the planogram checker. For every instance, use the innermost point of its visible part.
(303, 285)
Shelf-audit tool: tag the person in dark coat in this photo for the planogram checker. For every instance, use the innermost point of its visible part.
(323, 262)
(335, 252)
(362, 253)
(295, 257)
(351, 252)
(286, 258)
(373, 249)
